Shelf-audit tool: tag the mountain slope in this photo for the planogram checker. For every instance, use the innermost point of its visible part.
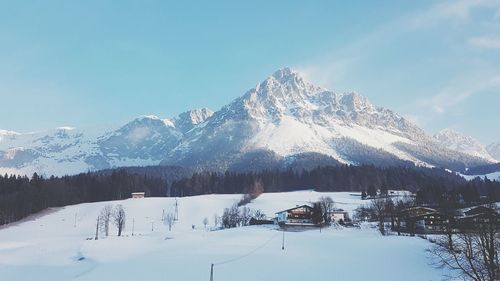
(287, 116)
(143, 141)
(494, 150)
(285, 121)
(459, 142)
(187, 120)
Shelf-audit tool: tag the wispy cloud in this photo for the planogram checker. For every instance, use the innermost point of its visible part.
(445, 99)
(448, 103)
(327, 72)
(456, 11)
(340, 63)
(495, 81)
(462, 76)
(485, 42)
(450, 97)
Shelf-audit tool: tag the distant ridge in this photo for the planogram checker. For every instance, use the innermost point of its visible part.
(284, 121)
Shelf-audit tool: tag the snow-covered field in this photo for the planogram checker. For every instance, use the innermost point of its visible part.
(491, 176)
(50, 247)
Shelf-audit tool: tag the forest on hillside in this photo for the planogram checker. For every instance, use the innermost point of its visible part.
(21, 196)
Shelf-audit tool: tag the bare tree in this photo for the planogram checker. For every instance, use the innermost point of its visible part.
(327, 206)
(245, 215)
(216, 220)
(472, 254)
(390, 211)
(378, 206)
(119, 218)
(205, 222)
(258, 214)
(104, 218)
(169, 220)
(231, 217)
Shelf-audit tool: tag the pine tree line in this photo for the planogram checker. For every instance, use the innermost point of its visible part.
(330, 178)
(22, 196)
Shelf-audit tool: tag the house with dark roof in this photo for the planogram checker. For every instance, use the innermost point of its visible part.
(423, 220)
(299, 215)
(479, 217)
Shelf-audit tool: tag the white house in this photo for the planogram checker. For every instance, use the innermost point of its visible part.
(338, 214)
(138, 194)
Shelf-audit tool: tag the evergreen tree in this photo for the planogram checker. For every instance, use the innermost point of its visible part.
(317, 213)
(372, 191)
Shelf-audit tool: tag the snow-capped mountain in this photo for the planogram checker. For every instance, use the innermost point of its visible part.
(143, 141)
(494, 150)
(286, 117)
(285, 121)
(187, 120)
(460, 142)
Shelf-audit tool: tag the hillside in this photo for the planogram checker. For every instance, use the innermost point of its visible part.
(50, 247)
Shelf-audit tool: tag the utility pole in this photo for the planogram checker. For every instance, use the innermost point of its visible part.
(75, 219)
(133, 225)
(212, 272)
(283, 241)
(97, 229)
(176, 210)
(163, 216)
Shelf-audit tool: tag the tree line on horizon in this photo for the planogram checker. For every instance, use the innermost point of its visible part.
(21, 196)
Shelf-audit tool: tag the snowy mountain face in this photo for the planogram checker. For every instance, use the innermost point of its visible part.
(459, 142)
(285, 121)
(285, 118)
(494, 150)
(187, 120)
(143, 141)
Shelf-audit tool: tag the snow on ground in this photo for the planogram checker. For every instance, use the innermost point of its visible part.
(49, 247)
(302, 137)
(491, 176)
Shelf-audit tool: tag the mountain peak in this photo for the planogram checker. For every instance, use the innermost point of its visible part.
(188, 119)
(8, 133)
(284, 84)
(283, 73)
(198, 115)
(449, 132)
(459, 142)
(289, 77)
(355, 102)
(494, 150)
(65, 128)
(150, 120)
(449, 135)
(147, 117)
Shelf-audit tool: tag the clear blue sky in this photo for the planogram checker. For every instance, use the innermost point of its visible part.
(83, 63)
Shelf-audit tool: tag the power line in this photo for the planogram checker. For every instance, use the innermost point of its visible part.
(97, 229)
(247, 254)
(176, 215)
(240, 257)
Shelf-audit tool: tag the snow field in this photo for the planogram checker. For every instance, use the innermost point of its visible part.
(49, 247)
